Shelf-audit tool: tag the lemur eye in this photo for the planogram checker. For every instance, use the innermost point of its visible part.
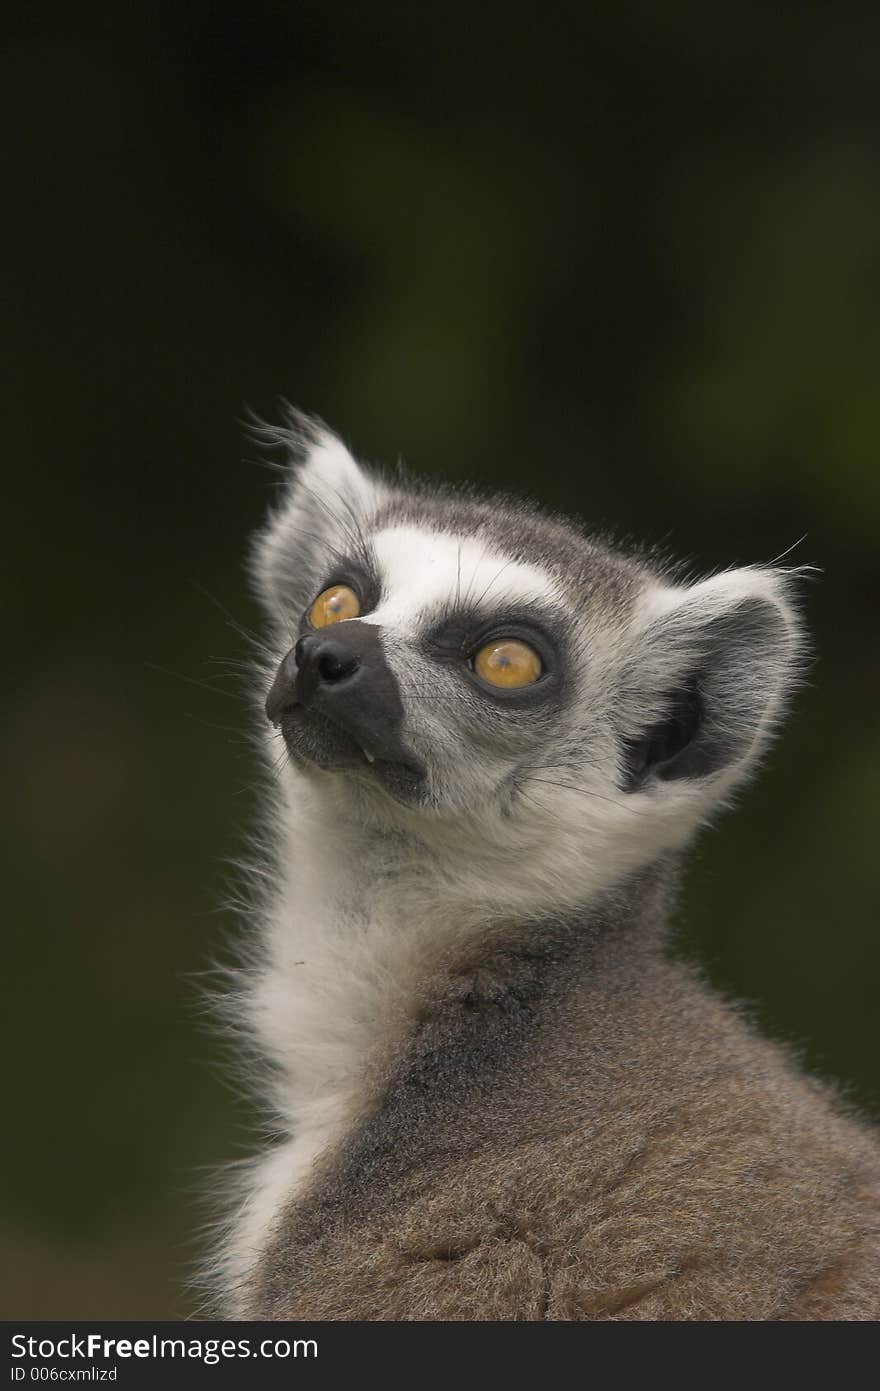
(335, 604)
(508, 663)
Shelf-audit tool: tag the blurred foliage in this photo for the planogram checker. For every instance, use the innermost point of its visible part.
(624, 258)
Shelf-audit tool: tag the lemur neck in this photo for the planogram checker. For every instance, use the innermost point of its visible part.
(378, 928)
(445, 880)
(386, 1008)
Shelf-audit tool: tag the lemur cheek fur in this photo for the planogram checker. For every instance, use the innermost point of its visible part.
(494, 1095)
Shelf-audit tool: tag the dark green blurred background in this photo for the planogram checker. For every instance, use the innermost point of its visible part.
(624, 257)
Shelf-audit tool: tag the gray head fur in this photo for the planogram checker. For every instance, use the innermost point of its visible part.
(658, 697)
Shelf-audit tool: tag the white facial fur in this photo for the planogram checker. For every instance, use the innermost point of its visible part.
(423, 571)
(528, 815)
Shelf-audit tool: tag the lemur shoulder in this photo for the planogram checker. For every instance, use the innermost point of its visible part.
(494, 1095)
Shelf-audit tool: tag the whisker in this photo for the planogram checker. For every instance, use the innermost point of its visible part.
(236, 730)
(587, 792)
(192, 681)
(494, 580)
(253, 639)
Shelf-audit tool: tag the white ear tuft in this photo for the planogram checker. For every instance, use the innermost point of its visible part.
(320, 520)
(717, 661)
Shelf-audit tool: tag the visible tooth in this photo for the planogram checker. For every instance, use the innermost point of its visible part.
(370, 757)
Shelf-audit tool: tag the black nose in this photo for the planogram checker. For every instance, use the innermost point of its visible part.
(319, 659)
(324, 658)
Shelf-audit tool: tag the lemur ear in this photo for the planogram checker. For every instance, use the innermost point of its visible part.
(319, 521)
(716, 662)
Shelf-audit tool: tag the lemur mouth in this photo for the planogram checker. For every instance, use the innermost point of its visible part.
(314, 740)
(339, 709)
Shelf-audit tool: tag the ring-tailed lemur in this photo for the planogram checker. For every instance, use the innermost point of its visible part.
(494, 1096)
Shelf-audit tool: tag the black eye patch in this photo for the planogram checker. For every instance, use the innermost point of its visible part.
(457, 638)
(358, 574)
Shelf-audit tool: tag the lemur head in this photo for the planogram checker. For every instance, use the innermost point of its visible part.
(445, 661)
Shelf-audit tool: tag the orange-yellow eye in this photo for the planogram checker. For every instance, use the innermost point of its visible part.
(508, 663)
(335, 604)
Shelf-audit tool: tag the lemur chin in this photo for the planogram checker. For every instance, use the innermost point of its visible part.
(492, 1094)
